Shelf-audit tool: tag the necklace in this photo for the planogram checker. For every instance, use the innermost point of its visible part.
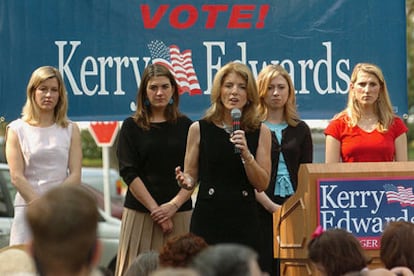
(368, 124)
(227, 128)
(369, 119)
(369, 116)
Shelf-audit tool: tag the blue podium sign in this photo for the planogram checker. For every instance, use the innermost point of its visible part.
(363, 206)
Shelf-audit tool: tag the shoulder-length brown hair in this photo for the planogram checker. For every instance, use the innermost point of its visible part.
(397, 245)
(31, 111)
(215, 113)
(333, 250)
(264, 79)
(143, 113)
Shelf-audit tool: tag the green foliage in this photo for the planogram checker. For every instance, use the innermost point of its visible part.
(3, 125)
(89, 148)
(97, 162)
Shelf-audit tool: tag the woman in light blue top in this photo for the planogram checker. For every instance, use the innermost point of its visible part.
(291, 147)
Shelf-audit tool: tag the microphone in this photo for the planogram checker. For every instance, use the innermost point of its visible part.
(236, 115)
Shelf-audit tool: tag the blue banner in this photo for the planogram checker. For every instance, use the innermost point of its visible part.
(364, 206)
(102, 47)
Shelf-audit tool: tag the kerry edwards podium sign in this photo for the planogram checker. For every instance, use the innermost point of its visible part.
(358, 197)
(363, 206)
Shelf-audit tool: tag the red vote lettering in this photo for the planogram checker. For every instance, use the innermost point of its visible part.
(237, 13)
(191, 18)
(262, 15)
(185, 16)
(146, 15)
(212, 14)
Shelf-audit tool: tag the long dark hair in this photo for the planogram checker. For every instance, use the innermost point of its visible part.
(143, 113)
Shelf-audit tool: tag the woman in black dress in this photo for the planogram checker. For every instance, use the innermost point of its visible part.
(225, 209)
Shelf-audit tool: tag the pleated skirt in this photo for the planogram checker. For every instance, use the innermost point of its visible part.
(139, 233)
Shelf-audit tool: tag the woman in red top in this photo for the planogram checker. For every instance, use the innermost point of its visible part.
(367, 130)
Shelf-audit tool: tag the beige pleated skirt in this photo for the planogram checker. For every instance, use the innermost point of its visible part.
(139, 234)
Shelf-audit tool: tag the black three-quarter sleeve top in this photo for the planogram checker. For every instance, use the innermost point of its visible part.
(152, 155)
(297, 149)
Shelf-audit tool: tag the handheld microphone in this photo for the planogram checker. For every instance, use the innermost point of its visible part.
(236, 115)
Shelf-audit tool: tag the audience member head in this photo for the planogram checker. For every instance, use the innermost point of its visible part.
(227, 260)
(336, 252)
(179, 250)
(372, 272)
(397, 245)
(144, 264)
(175, 271)
(64, 223)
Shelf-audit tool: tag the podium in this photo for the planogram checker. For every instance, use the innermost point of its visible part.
(339, 195)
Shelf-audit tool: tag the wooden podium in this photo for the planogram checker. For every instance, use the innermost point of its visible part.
(297, 219)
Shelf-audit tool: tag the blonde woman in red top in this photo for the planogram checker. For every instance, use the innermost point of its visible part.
(367, 130)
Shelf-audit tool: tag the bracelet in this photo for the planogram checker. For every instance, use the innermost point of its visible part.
(249, 160)
(175, 204)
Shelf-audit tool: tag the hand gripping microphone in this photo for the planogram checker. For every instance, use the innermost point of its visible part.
(236, 115)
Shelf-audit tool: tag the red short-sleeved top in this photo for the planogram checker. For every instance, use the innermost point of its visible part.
(357, 145)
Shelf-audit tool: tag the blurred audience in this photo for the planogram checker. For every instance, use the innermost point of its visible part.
(336, 252)
(373, 272)
(397, 245)
(180, 250)
(227, 259)
(144, 264)
(175, 271)
(64, 224)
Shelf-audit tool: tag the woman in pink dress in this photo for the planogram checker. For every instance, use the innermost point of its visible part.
(43, 147)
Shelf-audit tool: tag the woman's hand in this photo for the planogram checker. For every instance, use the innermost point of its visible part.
(167, 226)
(238, 138)
(164, 212)
(184, 180)
(274, 208)
(162, 216)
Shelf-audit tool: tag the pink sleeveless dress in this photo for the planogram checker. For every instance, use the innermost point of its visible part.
(46, 153)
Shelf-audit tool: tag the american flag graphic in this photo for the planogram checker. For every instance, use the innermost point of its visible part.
(180, 64)
(399, 194)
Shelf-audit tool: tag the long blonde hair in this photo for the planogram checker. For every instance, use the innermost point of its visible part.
(30, 111)
(264, 79)
(382, 108)
(250, 119)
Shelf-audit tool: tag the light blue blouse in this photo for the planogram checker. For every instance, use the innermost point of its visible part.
(283, 185)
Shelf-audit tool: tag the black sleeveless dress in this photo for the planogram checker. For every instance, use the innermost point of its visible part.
(225, 210)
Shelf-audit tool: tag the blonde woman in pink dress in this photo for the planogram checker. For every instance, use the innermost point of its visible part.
(43, 147)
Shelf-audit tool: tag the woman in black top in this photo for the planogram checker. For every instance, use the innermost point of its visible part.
(151, 144)
(225, 209)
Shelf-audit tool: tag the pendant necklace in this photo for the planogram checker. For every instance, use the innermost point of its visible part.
(227, 128)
